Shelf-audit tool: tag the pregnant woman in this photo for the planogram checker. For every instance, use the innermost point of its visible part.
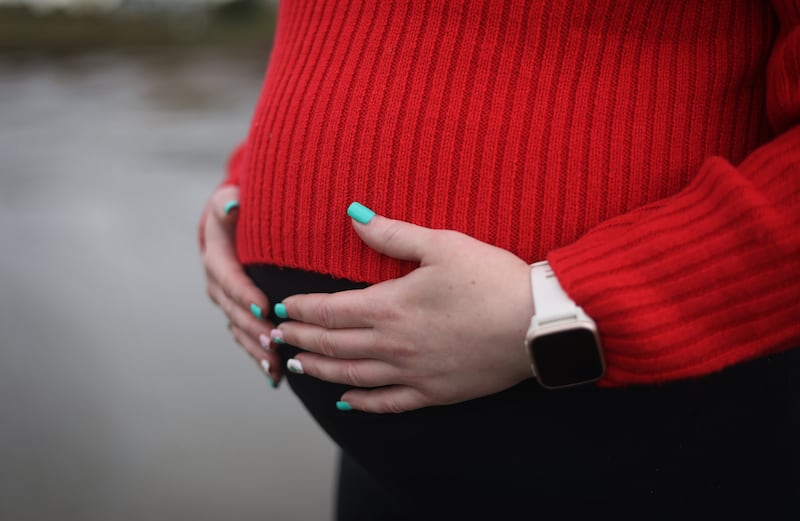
(520, 258)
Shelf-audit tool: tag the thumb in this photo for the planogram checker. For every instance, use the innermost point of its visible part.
(398, 239)
(222, 207)
(226, 204)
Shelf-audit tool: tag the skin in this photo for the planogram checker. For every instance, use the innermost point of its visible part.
(449, 331)
(229, 287)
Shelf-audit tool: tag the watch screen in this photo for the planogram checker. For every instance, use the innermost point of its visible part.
(567, 357)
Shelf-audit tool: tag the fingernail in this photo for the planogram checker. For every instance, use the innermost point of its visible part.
(255, 309)
(344, 406)
(294, 365)
(230, 205)
(360, 213)
(275, 336)
(265, 342)
(280, 310)
(265, 366)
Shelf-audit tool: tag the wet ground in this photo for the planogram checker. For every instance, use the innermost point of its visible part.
(122, 396)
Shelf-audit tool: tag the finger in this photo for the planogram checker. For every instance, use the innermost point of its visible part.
(242, 318)
(398, 239)
(349, 344)
(268, 362)
(240, 288)
(345, 309)
(393, 399)
(223, 268)
(225, 204)
(356, 373)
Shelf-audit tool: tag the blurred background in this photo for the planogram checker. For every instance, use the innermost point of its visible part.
(122, 396)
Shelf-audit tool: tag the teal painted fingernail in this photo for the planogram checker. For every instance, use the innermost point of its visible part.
(344, 406)
(255, 309)
(272, 382)
(360, 213)
(280, 310)
(230, 205)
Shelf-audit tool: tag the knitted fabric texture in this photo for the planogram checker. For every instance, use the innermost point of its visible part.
(649, 150)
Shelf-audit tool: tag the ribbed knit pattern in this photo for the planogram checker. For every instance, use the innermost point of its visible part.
(646, 148)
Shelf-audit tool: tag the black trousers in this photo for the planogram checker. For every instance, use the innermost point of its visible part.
(725, 443)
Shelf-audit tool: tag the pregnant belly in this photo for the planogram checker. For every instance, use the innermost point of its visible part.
(528, 445)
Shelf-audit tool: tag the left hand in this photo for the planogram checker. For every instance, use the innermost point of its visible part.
(449, 331)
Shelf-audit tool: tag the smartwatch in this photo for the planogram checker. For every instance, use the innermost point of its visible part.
(562, 341)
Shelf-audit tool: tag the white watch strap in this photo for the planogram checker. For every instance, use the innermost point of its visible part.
(551, 303)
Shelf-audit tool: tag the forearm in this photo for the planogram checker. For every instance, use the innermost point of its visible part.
(705, 279)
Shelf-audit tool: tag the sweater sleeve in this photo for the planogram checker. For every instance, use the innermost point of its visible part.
(709, 277)
(236, 162)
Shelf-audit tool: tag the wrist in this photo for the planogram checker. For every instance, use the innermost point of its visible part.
(562, 340)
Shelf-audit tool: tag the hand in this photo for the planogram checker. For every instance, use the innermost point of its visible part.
(451, 330)
(230, 288)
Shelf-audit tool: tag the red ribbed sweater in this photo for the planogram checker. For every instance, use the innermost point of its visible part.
(649, 149)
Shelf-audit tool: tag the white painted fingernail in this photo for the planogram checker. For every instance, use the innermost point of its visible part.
(265, 341)
(294, 366)
(265, 366)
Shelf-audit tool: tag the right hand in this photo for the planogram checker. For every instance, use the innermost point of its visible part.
(230, 288)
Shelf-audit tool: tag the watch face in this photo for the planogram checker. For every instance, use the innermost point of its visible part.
(567, 357)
